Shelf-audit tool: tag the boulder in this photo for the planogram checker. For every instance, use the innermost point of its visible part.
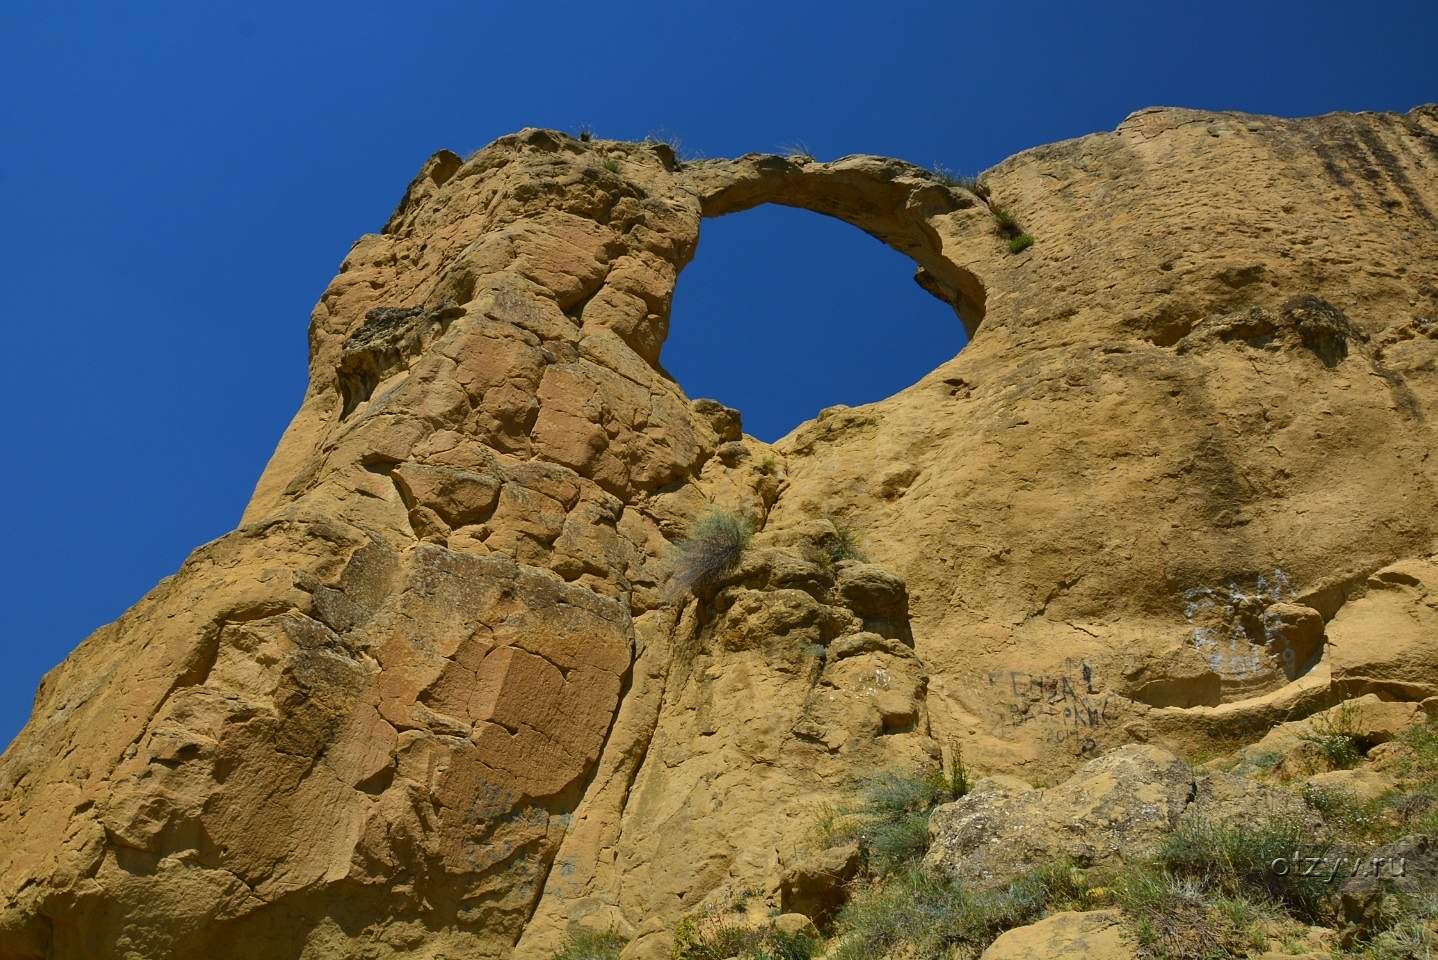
(1408, 866)
(814, 885)
(1087, 935)
(1119, 806)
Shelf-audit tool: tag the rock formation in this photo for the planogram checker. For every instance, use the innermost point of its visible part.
(433, 699)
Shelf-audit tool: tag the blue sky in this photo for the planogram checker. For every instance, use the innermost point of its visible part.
(179, 181)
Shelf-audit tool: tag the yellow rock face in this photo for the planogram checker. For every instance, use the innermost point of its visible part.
(433, 697)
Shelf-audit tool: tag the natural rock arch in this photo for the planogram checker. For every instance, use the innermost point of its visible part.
(893, 201)
(435, 649)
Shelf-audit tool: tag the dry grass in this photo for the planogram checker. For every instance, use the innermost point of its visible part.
(714, 546)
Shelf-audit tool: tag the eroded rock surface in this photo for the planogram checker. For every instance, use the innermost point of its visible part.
(434, 698)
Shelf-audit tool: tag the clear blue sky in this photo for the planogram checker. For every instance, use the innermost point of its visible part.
(180, 180)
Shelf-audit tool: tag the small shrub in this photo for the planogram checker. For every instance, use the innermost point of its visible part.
(957, 778)
(846, 542)
(921, 916)
(611, 164)
(974, 185)
(1239, 860)
(715, 545)
(1174, 916)
(1335, 734)
(1020, 243)
(670, 140)
(913, 913)
(891, 817)
(587, 945)
(1006, 223)
(797, 152)
(714, 939)
(1353, 819)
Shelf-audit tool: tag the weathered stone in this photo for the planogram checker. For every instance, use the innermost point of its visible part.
(1408, 866)
(814, 884)
(429, 698)
(1119, 806)
(1091, 935)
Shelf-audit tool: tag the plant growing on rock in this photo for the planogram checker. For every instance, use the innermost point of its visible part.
(1020, 243)
(974, 184)
(918, 915)
(1238, 861)
(890, 817)
(1336, 735)
(713, 938)
(1004, 220)
(714, 546)
(588, 945)
(797, 152)
(846, 542)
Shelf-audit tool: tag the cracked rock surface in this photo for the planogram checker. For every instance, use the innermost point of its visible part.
(433, 698)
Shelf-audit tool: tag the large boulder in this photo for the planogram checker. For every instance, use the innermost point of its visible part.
(1383, 640)
(1087, 935)
(1118, 806)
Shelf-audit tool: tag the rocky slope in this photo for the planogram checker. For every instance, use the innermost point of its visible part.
(432, 698)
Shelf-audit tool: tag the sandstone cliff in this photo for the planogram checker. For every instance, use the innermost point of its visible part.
(433, 699)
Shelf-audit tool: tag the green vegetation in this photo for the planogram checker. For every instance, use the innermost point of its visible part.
(1005, 221)
(670, 140)
(1212, 891)
(919, 916)
(586, 945)
(1238, 862)
(974, 185)
(846, 544)
(611, 164)
(890, 815)
(1173, 916)
(1335, 734)
(714, 546)
(900, 909)
(713, 938)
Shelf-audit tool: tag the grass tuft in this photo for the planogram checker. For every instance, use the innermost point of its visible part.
(890, 816)
(588, 945)
(1336, 735)
(921, 916)
(974, 185)
(847, 542)
(1020, 243)
(1240, 861)
(797, 152)
(1181, 916)
(714, 546)
(716, 939)
(1004, 220)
